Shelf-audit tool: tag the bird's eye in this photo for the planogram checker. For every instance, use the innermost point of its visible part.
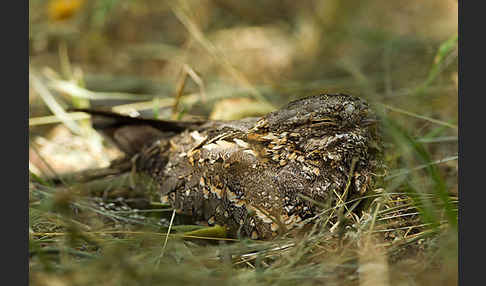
(323, 121)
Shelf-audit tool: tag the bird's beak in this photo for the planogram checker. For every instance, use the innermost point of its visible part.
(368, 122)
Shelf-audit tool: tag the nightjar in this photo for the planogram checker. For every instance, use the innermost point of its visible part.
(258, 177)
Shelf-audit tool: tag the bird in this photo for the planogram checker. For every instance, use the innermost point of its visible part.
(257, 177)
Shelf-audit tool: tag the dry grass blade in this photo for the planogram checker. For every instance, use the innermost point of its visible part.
(342, 198)
(438, 139)
(34, 121)
(76, 91)
(44, 162)
(407, 171)
(166, 240)
(125, 232)
(160, 102)
(399, 110)
(53, 105)
(215, 53)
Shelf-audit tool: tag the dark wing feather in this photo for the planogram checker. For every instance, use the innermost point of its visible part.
(131, 134)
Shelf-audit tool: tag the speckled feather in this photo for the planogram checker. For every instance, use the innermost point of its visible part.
(255, 176)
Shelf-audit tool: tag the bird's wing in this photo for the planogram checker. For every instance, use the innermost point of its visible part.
(131, 134)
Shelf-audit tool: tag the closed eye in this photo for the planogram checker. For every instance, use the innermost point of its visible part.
(323, 122)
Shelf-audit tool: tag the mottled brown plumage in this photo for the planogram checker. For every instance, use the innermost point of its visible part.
(258, 176)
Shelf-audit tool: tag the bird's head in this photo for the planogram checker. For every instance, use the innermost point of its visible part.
(322, 113)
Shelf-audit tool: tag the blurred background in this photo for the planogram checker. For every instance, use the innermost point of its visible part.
(230, 59)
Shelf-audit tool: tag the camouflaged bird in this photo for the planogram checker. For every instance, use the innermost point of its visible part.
(258, 176)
